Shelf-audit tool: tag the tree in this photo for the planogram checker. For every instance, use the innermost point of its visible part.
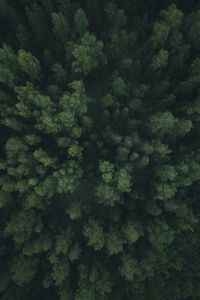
(173, 17)
(60, 26)
(23, 269)
(113, 243)
(94, 233)
(123, 179)
(131, 232)
(9, 68)
(81, 21)
(160, 34)
(29, 64)
(160, 60)
(162, 123)
(87, 55)
(129, 268)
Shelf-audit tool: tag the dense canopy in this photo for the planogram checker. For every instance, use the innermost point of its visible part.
(100, 157)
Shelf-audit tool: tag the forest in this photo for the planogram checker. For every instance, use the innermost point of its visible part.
(99, 150)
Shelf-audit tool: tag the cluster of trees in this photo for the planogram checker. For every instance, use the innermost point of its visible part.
(99, 160)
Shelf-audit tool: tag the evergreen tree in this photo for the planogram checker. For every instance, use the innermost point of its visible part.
(99, 159)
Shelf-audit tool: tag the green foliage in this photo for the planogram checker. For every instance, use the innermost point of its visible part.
(60, 73)
(23, 269)
(43, 158)
(160, 34)
(87, 55)
(107, 170)
(23, 225)
(194, 34)
(123, 180)
(113, 243)
(162, 123)
(99, 150)
(8, 66)
(119, 86)
(107, 195)
(81, 21)
(160, 60)
(4, 8)
(29, 64)
(68, 177)
(60, 26)
(85, 292)
(131, 232)
(129, 268)
(75, 252)
(4, 199)
(165, 173)
(94, 234)
(60, 271)
(173, 17)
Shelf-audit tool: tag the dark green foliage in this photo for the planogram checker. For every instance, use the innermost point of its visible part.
(87, 55)
(99, 159)
(60, 26)
(81, 21)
